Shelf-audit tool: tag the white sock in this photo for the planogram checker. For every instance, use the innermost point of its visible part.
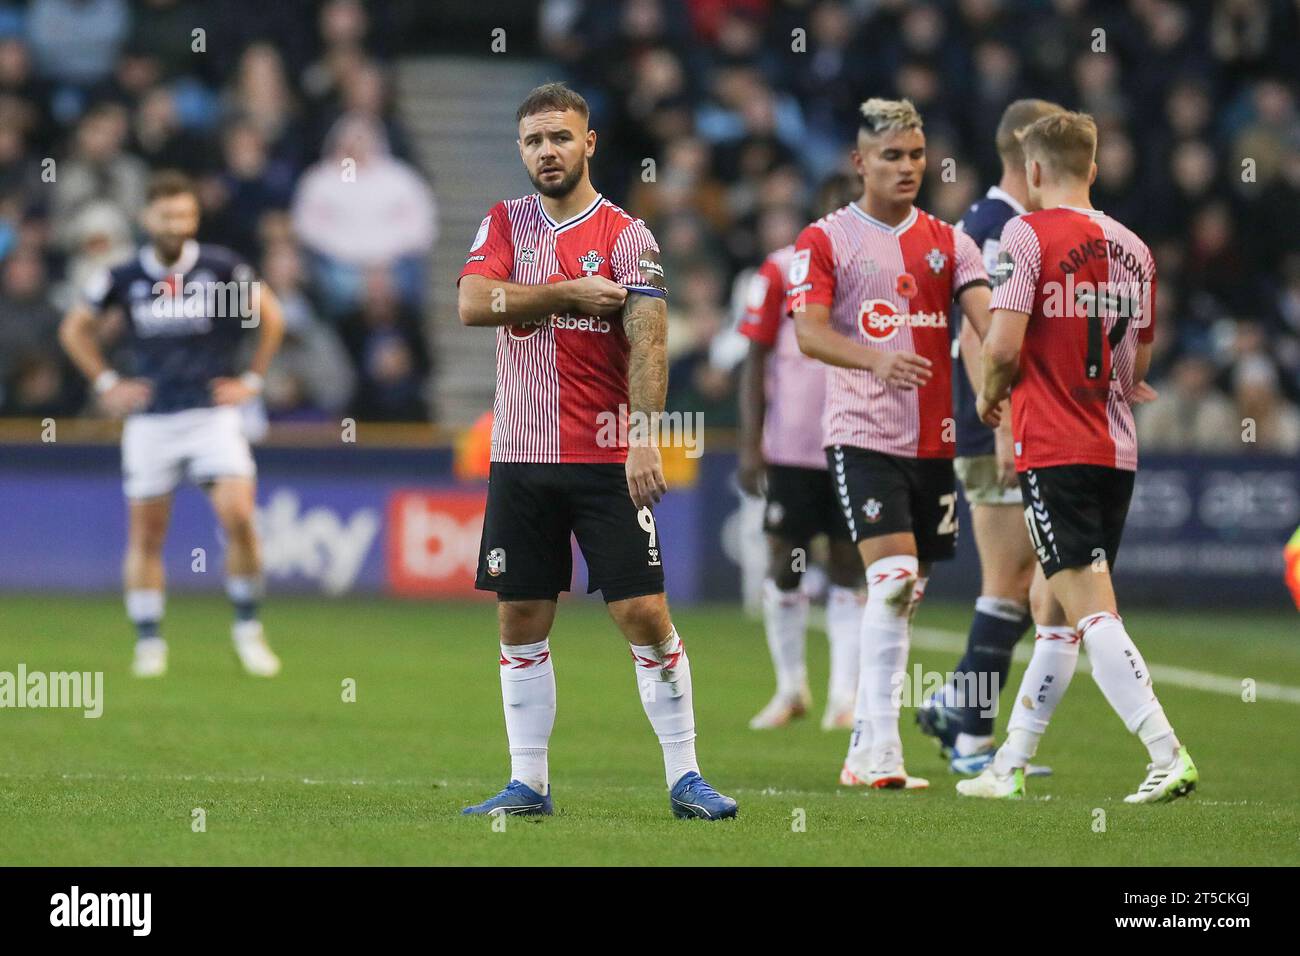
(144, 609)
(844, 632)
(785, 620)
(528, 695)
(883, 661)
(967, 744)
(1056, 655)
(1125, 682)
(663, 676)
(918, 593)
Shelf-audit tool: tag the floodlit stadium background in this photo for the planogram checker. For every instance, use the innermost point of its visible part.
(716, 120)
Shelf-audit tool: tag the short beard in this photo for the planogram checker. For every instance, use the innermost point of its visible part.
(565, 185)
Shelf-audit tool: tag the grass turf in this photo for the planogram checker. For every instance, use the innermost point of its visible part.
(286, 772)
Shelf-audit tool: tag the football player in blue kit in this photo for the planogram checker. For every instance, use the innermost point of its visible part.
(188, 308)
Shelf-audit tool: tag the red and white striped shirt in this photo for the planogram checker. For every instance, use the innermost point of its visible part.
(794, 384)
(889, 287)
(559, 379)
(1088, 285)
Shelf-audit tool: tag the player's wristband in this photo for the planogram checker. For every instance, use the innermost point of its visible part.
(106, 380)
(252, 381)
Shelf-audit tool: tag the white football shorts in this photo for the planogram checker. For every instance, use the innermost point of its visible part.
(201, 444)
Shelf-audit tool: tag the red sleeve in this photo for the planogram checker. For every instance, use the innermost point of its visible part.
(1147, 322)
(812, 270)
(764, 305)
(492, 253)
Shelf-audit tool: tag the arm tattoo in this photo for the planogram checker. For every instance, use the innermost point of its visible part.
(645, 322)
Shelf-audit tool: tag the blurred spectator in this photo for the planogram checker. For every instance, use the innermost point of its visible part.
(343, 28)
(99, 237)
(161, 140)
(311, 376)
(262, 96)
(27, 98)
(75, 42)
(1190, 414)
(360, 209)
(251, 184)
(33, 379)
(97, 169)
(388, 348)
(163, 31)
(1259, 402)
(695, 382)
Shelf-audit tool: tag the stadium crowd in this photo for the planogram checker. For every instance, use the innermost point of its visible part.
(745, 105)
(97, 94)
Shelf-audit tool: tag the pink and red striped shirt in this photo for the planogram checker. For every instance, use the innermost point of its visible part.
(794, 384)
(1088, 285)
(889, 287)
(559, 378)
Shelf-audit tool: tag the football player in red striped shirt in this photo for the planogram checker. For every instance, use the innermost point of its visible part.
(574, 288)
(871, 285)
(1073, 320)
(782, 396)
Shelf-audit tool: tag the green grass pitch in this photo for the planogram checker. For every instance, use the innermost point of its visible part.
(286, 772)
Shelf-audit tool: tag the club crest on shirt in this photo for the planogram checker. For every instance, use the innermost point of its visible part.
(872, 509)
(496, 562)
(936, 260)
(528, 256)
(591, 262)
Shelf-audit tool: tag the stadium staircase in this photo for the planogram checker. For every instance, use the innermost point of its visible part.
(460, 112)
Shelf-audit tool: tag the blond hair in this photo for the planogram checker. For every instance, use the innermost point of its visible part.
(888, 116)
(1015, 118)
(1065, 143)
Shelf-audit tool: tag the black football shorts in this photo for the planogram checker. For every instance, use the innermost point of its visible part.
(532, 509)
(1076, 513)
(801, 504)
(886, 494)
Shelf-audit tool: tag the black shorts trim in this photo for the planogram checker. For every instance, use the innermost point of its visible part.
(1076, 514)
(883, 494)
(801, 504)
(533, 512)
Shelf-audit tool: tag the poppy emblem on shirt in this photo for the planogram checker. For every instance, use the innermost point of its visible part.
(906, 285)
(591, 262)
(936, 260)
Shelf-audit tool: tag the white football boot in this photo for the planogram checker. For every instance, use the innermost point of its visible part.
(251, 647)
(150, 657)
(838, 715)
(994, 786)
(1163, 784)
(782, 709)
(884, 771)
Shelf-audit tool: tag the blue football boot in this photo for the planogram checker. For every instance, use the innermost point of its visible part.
(516, 800)
(693, 798)
(942, 723)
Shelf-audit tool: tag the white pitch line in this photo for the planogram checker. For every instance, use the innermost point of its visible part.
(935, 639)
